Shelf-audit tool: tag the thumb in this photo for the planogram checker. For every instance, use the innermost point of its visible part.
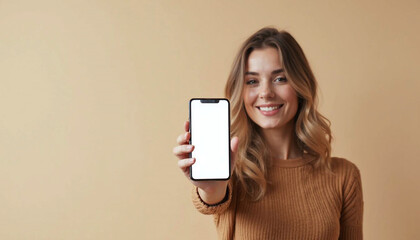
(234, 142)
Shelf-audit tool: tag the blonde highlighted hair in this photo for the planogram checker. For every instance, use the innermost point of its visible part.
(312, 130)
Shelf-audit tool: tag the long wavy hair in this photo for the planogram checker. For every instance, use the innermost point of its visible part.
(312, 130)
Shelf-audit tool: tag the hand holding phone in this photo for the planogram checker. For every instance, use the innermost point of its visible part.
(211, 192)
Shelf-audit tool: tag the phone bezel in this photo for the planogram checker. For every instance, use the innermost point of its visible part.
(190, 141)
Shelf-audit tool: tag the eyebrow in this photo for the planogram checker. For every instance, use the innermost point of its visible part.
(272, 73)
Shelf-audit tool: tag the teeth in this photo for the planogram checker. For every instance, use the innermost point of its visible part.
(269, 108)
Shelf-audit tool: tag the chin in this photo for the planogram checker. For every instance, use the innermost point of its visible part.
(274, 124)
(269, 126)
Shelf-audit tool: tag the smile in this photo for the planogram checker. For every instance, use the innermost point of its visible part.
(270, 109)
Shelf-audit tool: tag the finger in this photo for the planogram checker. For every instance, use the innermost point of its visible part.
(181, 150)
(234, 142)
(186, 163)
(183, 138)
(187, 126)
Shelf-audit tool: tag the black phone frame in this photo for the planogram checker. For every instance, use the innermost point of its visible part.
(210, 100)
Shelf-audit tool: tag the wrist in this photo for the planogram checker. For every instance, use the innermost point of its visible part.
(213, 196)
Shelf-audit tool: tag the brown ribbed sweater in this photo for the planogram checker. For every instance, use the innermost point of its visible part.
(301, 203)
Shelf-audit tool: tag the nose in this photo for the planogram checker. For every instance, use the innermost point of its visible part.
(266, 91)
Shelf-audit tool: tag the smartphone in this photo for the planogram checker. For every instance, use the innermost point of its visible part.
(210, 135)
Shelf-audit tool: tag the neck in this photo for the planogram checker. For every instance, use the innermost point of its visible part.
(282, 142)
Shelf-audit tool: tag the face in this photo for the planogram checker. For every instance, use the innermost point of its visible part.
(269, 99)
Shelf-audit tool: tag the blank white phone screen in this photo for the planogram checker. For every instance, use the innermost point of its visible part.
(210, 137)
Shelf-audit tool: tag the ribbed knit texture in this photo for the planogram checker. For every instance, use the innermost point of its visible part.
(301, 203)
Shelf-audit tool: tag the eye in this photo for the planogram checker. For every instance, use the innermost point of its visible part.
(280, 79)
(251, 82)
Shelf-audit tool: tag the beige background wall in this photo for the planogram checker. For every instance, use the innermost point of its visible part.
(94, 93)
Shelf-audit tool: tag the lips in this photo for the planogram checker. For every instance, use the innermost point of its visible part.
(269, 107)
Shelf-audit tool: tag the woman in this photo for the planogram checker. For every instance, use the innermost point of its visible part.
(285, 184)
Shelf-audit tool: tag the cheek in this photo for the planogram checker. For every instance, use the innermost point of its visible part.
(289, 94)
(249, 96)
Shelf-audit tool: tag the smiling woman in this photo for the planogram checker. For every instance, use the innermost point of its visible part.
(285, 184)
(269, 99)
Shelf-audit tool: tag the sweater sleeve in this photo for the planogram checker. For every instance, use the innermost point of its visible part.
(218, 208)
(351, 221)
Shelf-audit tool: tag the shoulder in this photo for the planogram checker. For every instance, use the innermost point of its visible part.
(351, 197)
(345, 170)
(339, 164)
